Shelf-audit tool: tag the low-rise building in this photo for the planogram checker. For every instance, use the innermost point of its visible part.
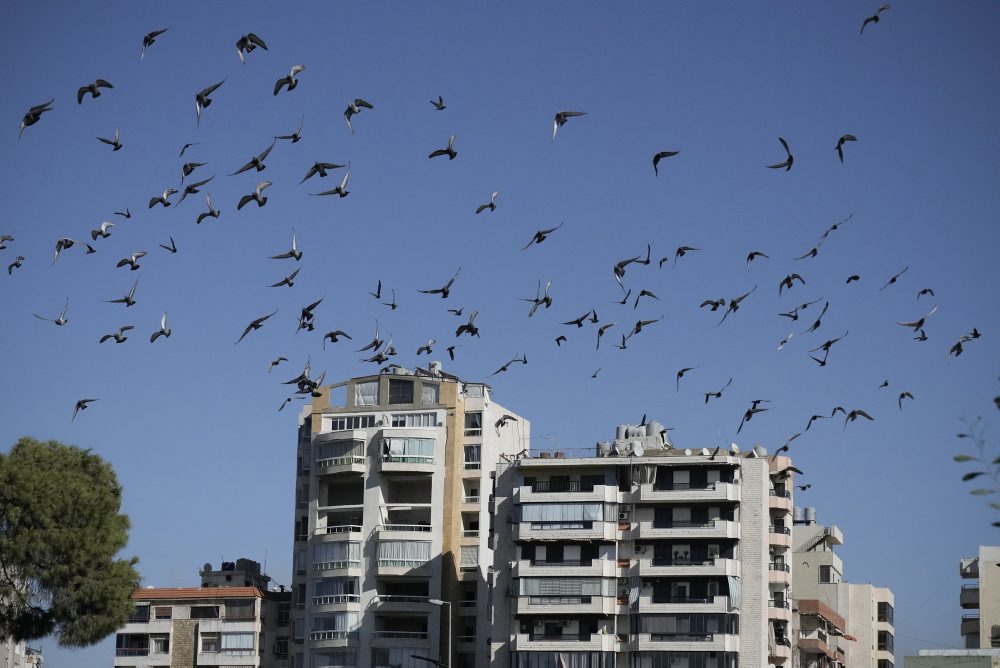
(981, 599)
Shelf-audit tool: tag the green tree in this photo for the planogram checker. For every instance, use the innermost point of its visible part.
(60, 529)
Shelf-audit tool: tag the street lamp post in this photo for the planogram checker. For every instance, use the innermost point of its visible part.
(438, 602)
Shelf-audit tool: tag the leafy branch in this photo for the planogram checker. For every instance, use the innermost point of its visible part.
(986, 469)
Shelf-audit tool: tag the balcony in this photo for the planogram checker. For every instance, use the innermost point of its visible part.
(566, 605)
(779, 610)
(670, 567)
(339, 532)
(131, 651)
(400, 638)
(470, 533)
(970, 624)
(781, 651)
(778, 573)
(403, 531)
(779, 536)
(650, 602)
(969, 596)
(717, 491)
(333, 639)
(566, 491)
(780, 500)
(586, 530)
(589, 642)
(566, 568)
(408, 464)
(684, 642)
(681, 530)
(395, 603)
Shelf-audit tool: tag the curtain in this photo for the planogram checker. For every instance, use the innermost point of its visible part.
(238, 641)
(647, 474)
(341, 621)
(562, 512)
(428, 394)
(470, 556)
(404, 552)
(337, 551)
(366, 394)
(565, 586)
(336, 586)
(735, 593)
(562, 660)
(473, 453)
(338, 449)
(335, 659)
(410, 447)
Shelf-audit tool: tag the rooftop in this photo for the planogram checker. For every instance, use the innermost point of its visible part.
(193, 593)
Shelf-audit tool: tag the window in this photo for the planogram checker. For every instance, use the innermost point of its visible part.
(414, 419)
(338, 554)
(209, 643)
(344, 422)
(473, 454)
(284, 613)
(162, 612)
(204, 612)
(281, 648)
(340, 453)
(885, 641)
(562, 515)
(400, 391)
(408, 450)
(885, 612)
(366, 394)
(827, 575)
(238, 643)
(159, 644)
(473, 424)
(241, 608)
(403, 553)
(140, 614)
(429, 394)
(470, 559)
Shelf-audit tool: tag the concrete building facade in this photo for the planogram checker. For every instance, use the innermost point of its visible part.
(639, 555)
(392, 544)
(18, 654)
(981, 599)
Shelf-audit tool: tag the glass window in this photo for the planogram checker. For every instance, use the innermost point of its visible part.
(408, 450)
(209, 643)
(238, 643)
(366, 394)
(470, 558)
(400, 391)
(428, 394)
(414, 419)
(404, 553)
(240, 608)
(473, 424)
(344, 422)
(162, 612)
(473, 455)
(204, 612)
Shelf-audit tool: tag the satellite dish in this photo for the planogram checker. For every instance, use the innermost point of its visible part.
(704, 452)
(207, 568)
(687, 451)
(637, 449)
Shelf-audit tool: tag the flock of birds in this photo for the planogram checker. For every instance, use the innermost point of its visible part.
(380, 349)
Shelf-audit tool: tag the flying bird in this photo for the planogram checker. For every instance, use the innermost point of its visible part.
(334, 336)
(16, 264)
(680, 374)
(172, 248)
(293, 253)
(446, 290)
(321, 169)
(202, 101)
(734, 304)
(893, 279)
(275, 362)
(853, 277)
(81, 405)
(149, 39)
(714, 303)
(787, 164)
(193, 188)
(919, 323)
(620, 266)
(103, 232)
(339, 190)
(855, 414)
(33, 115)
(448, 151)
(427, 347)
(717, 395)
(128, 299)
(295, 136)
(819, 320)
(754, 255)
(290, 81)
(188, 167)
(589, 315)
(560, 340)
(600, 332)
(451, 353)
(186, 147)
(813, 419)
(255, 196)
(491, 205)
(93, 88)
(874, 18)
(355, 108)
(115, 143)
(804, 487)
(118, 336)
(523, 360)
(839, 148)
(132, 261)
(903, 395)
(287, 280)
(256, 162)
(541, 235)
(255, 325)
(540, 298)
(376, 342)
(248, 43)
(211, 213)
(594, 375)
(681, 252)
(788, 281)
(163, 199)
(561, 118)
(643, 323)
(644, 293)
(469, 328)
(284, 403)
(748, 415)
(391, 304)
(306, 316)
(925, 291)
(502, 422)
(439, 104)
(61, 319)
(660, 156)
(162, 331)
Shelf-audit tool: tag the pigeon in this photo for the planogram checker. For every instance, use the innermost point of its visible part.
(59, 321)
(248, 43)
(925, 291)
(660, 156)
(589, 315)
(321, 169)
(892, 280)
(643, 323)
(491, 205)
(129, 299)
(541, 299)
(193, 188)
(734, 304)
(255, 325)
(255, 196)
(875, 17)
(448, 151)
(64, 243)
(118, 336)
(16, 264)
(202, 101)
(211, 213)
(375, 343)
(426, 348)
(284, 403)
(439, 104)
(853, 277)
(189, 167)
(918, 324)
(276, 362)
(839, 148)
(103, 232)
(33, 115)
(115, 143)
(560, 340)
(469, 328)
(94, 89)
(132, 262)
(162, 331)
(717, 395)
(172, 248)
(149, 39)
(290, 81)
(4, 238)
(754, 255)
(541, 235)
(339, 190)
(561, 118)
(287, 280)
(163, 199)
(355, 108)
(680, 374)
(787, 164)
(446, 290)
(788, 281)
(81, 405)
(334, 336)
(256, 162)
(293, 253)
(186, 147)
(855, 414)
(295, 136)
(644, 293)
(600, 333)
(903, 395)
(714, 303)
(681, 252)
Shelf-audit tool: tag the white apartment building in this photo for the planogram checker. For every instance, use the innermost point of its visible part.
(838, 623)
(391, 541)
(18, 654)
(637, 554)
(981, 625)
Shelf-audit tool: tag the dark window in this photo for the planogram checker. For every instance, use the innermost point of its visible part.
(400, 391)
(473, 424)
(204, 612)
(825, 574)
(885, 612)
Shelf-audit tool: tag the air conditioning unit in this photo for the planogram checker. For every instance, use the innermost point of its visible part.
(565, 624)
(623, 515)
(623, 581)
(623, 593)
(640, 549)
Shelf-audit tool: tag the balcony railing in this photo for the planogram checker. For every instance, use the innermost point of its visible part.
(559, 600)
(131, 651)
(333, 635)
(680, 561)
(780, 530)
(470, 533)
(470, 499)
(779, 567)
(330, 599)
(467, 638)
(555, 486)
(683, 524)
(402, 563)
(341, 528)
(783, 493)
(408, 459)
(565, 562)
(140, 616)
(330, 462)
(422, 528)
(468, 604)
(681, 599)
(335, 565)
(400, 635)
(679, 486)
(777, 604)
(681, 637)
(400, 598)
(472, 465)
(559, 637)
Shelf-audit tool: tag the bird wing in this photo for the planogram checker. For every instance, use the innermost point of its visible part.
(267, 150)
(358, 102)
(251, 37)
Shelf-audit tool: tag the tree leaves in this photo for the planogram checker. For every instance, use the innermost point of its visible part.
(977, 434)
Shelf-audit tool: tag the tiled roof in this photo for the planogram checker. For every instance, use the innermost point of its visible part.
(189, 593)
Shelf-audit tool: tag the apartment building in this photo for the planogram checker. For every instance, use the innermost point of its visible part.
(636, 554)
(18, 654)
(838, 623)
(981, 599)
(391, 542)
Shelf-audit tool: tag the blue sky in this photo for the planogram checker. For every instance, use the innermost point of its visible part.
(190, 422)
